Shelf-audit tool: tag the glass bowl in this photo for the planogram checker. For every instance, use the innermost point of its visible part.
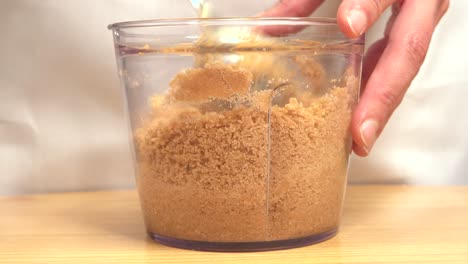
(240, 128)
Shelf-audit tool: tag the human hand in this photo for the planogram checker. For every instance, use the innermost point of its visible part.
(390, 64)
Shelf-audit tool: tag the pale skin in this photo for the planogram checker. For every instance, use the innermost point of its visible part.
(390, 63)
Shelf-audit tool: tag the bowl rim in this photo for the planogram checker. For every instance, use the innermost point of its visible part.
(228, 21)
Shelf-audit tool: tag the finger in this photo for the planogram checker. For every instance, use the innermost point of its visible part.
(358, 150)
(398, 65)
(292, 8)
(373, 54)
(371, 58)
(375, 51)
(356, 16)
(288, 8)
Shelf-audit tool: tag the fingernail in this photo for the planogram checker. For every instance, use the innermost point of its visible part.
(357, 21)
(369, 133)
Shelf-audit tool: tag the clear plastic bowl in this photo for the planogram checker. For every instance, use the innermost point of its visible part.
(240, 128)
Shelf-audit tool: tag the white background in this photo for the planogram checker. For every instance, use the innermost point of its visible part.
(61, 111)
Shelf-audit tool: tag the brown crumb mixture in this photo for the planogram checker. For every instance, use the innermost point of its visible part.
(209, 175)
(216, 79)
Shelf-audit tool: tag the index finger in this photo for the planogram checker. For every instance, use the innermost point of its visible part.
(292, 8)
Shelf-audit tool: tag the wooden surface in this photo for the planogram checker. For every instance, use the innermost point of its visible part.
(381, 224)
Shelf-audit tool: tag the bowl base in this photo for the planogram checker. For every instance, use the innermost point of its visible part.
(243, 246)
